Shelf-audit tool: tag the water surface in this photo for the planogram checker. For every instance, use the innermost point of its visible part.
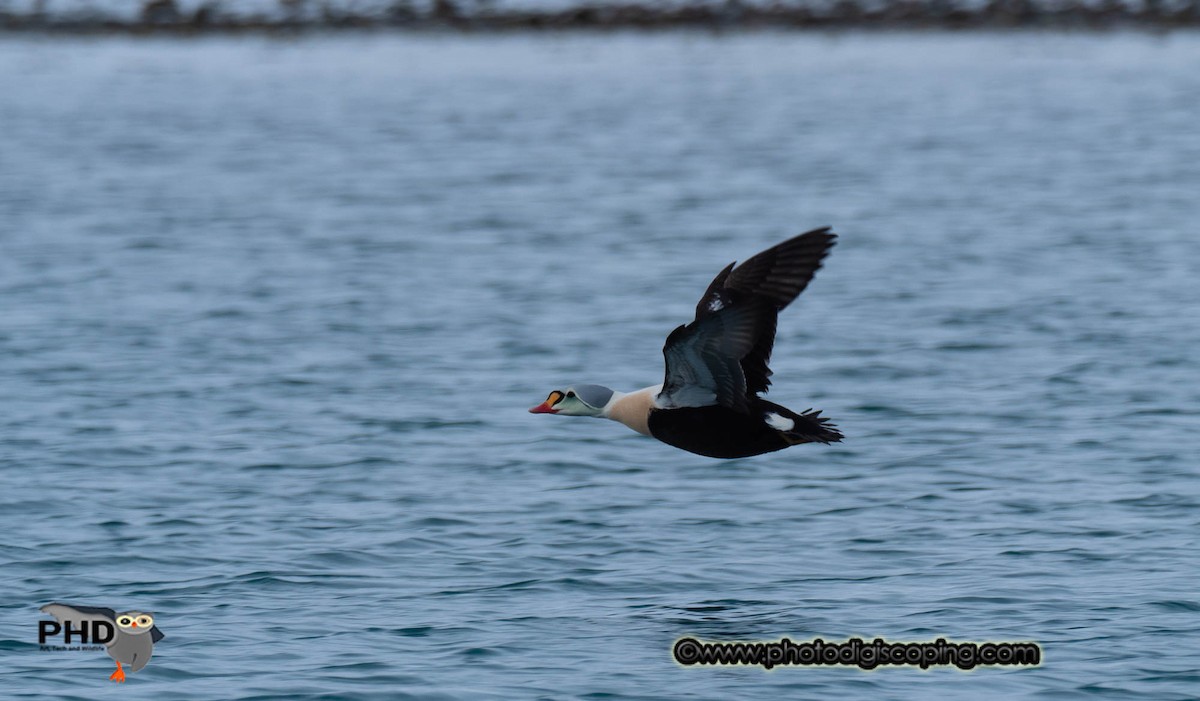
(272, 313)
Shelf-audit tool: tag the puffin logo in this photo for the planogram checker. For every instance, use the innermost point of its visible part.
(129, 637)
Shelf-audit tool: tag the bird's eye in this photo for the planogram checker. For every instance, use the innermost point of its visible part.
(124, 621)
(145, 621)
(570, 395)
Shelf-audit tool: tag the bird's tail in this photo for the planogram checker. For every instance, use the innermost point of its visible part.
(811, 427)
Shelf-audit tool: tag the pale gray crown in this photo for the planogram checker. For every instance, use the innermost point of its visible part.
(594, 396)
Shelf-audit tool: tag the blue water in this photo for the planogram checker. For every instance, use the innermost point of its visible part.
(271, 313)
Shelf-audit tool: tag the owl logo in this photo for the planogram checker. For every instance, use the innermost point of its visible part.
(133, 643)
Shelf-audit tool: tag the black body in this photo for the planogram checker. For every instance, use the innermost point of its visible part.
(718, 432)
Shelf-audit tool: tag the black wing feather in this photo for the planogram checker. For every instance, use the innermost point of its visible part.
(774, 277)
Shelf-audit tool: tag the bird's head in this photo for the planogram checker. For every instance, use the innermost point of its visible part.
(135, 622)
(577, 400)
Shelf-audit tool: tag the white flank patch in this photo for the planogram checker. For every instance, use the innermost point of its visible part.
(779, 423)
(716, 305)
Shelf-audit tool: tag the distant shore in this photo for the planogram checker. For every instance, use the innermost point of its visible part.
(169, 17)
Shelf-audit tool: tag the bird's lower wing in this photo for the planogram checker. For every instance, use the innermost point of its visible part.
(703, 359)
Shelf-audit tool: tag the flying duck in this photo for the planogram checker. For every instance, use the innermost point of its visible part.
(709, 401)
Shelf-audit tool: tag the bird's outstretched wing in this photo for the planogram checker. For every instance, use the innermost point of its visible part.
(721, 357)
(80, 614)
(774, 277)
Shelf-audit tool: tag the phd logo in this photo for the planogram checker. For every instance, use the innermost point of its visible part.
(97, 632)
(129, 637)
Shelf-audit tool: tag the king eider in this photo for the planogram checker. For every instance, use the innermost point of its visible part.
(709, 401)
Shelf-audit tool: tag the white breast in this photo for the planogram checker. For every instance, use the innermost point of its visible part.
(633, 409)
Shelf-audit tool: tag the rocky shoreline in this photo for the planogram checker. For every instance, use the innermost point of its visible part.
(169, 16)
